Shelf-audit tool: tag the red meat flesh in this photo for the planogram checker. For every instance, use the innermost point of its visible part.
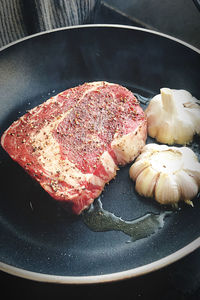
(72, 143)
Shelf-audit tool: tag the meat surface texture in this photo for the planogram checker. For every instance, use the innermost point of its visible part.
(72, 143)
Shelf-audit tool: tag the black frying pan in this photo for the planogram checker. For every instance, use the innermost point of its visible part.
(38, 239)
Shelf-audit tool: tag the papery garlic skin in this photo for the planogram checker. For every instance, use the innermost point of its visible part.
(173, 117)
(168, 174)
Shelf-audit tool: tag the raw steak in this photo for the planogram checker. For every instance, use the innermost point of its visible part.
(72, 143)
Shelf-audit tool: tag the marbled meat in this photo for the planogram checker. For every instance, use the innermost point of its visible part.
(72, 143)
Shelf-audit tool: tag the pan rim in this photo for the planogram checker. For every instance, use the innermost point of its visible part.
(122, 275)
(138, 271)
(103, 25)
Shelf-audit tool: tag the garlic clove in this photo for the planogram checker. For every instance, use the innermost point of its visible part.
(167, 131)
(189, 156)
(191, 164)
(187, 185)
(152, 125)
(137, 168)
(167, 190)
(184, 130)
(145, 182)
(151, 148)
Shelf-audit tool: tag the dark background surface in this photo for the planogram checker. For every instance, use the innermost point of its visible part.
(179, 18)
(180, 280)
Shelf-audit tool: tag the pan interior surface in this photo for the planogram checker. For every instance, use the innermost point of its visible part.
(36, 232)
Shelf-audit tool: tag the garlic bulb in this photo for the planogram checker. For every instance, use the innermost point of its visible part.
(168, 174)
(173, 117)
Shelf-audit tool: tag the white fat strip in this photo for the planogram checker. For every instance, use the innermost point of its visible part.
(68, 193)
(108, 163)
(94, 87)
(128, 146)
(49, 156)
(49, 153)
(12, 127)
(14, 143)
(100, 83)
(50, 159)
(93, 179)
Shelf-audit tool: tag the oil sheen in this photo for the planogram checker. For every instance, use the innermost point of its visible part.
(98, 219)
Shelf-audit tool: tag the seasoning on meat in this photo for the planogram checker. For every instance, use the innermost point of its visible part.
(72, 143)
